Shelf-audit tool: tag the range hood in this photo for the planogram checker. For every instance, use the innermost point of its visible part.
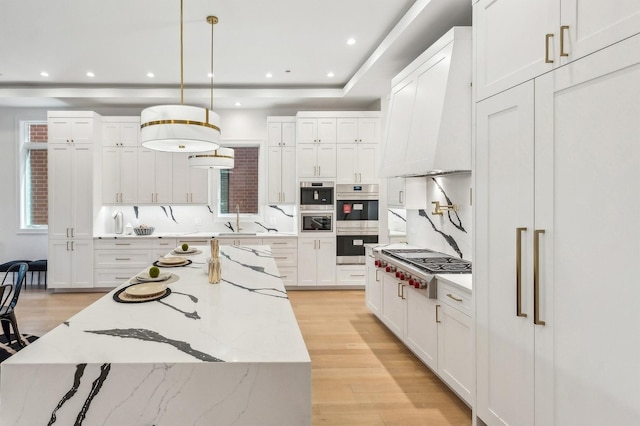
(428, 129)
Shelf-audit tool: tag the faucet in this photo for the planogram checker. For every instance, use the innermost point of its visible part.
(238, 229)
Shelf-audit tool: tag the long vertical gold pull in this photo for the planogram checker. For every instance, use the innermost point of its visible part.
(546, 48)
(437, 317)
(562, 31)
(519, 272)
(536, 277)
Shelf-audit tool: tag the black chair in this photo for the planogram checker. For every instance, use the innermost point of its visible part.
(9, 293)
(38, 266)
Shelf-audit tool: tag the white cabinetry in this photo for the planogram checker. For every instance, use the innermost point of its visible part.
(316, 130)
(281, 160)
(190, 184)
(285, 253)
(551, 349)
(119, 175)
(239, 241)
(373, 285)
(121, 131)
(542, 35)
(155, 172)
(358, 130)
(357, 163)
(317, 260)
(396, 192)
(71, 165)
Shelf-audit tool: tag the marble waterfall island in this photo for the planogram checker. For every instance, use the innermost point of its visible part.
(223, 354)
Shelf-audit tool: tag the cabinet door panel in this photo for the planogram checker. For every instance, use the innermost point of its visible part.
(347, 163)
(163, 177)
(180, 181)
(367, 163)
(82, 191)
(455, 349)
(146, 171)
(422, 329)
(504, 202)
(82, 263)
(398, 126)
(288, 134)
(129, 174)
(60, 159)
(369, 130)
(306, 159)
(326, 261)
(130, 134)
(393, 307)
(198, 186)
(59, 264)
(326, 160)
(307, 130)
(374, 290)
(82, 130)
(307, 261)
(274, 134)
(110, 175)
(510, 42)
(347, 130)
(274, 176)
(326, 130)
(595, 25)
(289, 174)
(587, 134)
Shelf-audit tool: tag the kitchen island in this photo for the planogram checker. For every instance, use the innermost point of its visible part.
(227, 353)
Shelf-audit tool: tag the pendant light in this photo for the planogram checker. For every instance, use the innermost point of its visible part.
(180, 128)
(222, 158)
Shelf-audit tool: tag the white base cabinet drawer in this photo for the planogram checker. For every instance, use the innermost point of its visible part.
(289, 275)
(281, 243)
(122, 258)
(122, 244)
(350, 275)
(286, 258)
(455, 297)
(112, 277)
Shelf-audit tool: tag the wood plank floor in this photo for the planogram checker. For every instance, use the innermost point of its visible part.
(361, 374)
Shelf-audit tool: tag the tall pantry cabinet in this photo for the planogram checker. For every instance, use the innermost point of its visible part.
(71, 165)
(554, 272)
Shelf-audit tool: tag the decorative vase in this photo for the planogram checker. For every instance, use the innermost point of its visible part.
(215, 268)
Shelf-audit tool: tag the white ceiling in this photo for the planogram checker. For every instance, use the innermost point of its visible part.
(122, 40)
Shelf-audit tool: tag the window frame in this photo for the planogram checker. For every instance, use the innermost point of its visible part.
(24, 148)
(214, 184)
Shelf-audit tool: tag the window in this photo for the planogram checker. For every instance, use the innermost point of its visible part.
(33, 175)
(239, 186)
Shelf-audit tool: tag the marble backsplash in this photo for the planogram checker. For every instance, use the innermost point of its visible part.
(450, 232)
(188, 219)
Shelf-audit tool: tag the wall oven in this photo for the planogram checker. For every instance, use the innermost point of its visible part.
(356, 221)
(316, 222)
(316, 195)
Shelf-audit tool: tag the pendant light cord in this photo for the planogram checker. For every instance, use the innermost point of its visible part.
(212, 24)
(181, 57)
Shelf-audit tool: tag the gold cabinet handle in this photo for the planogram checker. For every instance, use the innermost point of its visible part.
(437, 317)
(377, 276)
(536, 277)
(398, 292)
(562, 31)
(546, 48)
(401, 197)
(519, 312)
(451, 296)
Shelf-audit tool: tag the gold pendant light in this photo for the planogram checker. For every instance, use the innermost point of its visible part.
(180, 128)
(222, 158)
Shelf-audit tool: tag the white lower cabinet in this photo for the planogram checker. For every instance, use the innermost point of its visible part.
(438, 331)
(373, 284)
(285, 253)
(239, 241)
(350, 275)
(317, 261)
(70, 264)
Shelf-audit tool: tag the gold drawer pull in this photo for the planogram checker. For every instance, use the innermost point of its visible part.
(451, 296)
(519, 312)
(546, 48)
(536, 277)
(562, 31)
(123, 258)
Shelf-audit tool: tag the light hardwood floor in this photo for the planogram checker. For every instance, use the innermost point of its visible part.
(361, 374)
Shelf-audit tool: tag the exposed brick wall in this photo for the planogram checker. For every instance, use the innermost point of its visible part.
(38, 171)
(243, 180)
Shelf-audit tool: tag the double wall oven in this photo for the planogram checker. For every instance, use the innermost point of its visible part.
(356, 221)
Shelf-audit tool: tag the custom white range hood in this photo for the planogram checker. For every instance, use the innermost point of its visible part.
(429, 122)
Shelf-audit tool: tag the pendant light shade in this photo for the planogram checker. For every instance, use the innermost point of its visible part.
(180, 128)
(222, 158)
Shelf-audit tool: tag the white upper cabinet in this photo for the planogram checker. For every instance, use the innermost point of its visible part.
(190, 184)
(519, 40)
(429, 121)
(316, 130)
(119, 175)
(358, 130)
(121, 131)
(281, 160)
(357, 163)
(155, 172)
(281, 133)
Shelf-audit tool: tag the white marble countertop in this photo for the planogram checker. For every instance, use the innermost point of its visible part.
(187, 235)
(247, 317)
(227, 353)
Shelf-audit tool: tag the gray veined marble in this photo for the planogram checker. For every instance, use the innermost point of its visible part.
(120, 364)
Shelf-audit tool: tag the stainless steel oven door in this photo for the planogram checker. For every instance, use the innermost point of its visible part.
(350, 247)
(316, 222)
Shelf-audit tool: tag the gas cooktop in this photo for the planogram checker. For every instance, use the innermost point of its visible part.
(429, 261)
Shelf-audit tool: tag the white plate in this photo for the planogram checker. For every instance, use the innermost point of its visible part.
(145, 289)
(171, 260)
(189, 250)
(145, 277)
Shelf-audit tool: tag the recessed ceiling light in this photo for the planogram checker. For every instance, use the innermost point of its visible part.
(269, 75)
(90, 74)
(238, 104)
(150, 75)
(210, 75)
(330, 74)
(287, 70)
(44, 74)
(351, 41)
